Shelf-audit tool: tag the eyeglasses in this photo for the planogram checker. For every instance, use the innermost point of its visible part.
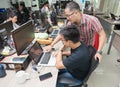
(67, 16)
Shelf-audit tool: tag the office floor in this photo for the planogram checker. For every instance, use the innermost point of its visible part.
(107, 73)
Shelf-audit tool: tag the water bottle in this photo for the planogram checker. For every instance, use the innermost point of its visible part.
(2, 71)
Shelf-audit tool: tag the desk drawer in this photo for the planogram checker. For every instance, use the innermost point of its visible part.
(116, 42)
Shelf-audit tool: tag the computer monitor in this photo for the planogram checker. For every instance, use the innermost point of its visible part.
(7, 26)
(23, 36)
(5, 32)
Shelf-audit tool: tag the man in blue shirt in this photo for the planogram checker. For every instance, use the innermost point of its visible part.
(77, 63)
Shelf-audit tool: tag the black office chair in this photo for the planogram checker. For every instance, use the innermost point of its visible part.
(93, 64)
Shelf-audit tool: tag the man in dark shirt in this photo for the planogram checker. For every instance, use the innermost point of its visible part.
(77, 63)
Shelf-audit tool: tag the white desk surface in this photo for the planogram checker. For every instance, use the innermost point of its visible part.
(10, 80)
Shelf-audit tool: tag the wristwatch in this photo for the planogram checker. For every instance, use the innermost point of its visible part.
(61, 50)
(100, 51)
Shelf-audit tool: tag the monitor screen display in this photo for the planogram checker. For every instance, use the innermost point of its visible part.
(8, 26)
(23, 36)
(2, 10)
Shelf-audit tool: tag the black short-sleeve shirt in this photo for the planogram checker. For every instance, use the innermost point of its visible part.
(78, 62)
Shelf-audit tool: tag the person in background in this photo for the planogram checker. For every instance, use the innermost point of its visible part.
(1, 18)
(23, 13)
(12, 16)
(76, 65)
(45, 8)
(88, 27)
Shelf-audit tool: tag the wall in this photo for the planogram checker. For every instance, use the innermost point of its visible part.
(4, 4)
(27, 2)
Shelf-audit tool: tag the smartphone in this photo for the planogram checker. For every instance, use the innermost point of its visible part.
(45, 76)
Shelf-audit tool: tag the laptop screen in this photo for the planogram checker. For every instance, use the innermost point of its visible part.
(36, 52)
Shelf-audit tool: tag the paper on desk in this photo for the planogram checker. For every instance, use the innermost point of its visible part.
(6, 50)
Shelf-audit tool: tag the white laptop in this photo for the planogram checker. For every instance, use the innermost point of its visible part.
(41, 58)
(54, 33)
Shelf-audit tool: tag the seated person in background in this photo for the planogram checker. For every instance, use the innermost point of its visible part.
(53, 18)
(46, 26)
(12, 16)
(50, 15)
(1, 18)
(76, 65)
(23, 13)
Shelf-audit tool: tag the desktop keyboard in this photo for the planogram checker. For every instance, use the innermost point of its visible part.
(46, 58)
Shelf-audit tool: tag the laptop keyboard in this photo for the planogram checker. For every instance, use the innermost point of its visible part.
(55, 32)
(46, 58)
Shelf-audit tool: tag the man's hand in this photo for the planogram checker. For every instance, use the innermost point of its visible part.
(47, 48)
(56, 53)
(62, 47)
(99, 56)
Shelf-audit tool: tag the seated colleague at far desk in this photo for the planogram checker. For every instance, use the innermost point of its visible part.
(77, 63)
(12, 16)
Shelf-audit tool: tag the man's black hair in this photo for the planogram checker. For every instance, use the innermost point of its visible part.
(11, 13)
(71, 33)
(73, 6)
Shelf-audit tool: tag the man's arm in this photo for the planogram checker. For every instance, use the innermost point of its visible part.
(58, 38)
(102, 38)
(49, 47)
(59, 62)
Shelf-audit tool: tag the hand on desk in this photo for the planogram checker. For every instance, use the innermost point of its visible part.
(48, 48)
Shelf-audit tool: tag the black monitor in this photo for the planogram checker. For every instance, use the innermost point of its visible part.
(23, 36)
(5, 32)
(7, 26)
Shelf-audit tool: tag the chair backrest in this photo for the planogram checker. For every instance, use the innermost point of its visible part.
(93, 63)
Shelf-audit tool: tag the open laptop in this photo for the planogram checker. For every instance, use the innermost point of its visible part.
(54, 33)
(39, 57)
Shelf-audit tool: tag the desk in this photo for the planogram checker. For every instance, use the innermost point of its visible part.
(10, 81)
(97, 12)
(107, 24)
(115, 41)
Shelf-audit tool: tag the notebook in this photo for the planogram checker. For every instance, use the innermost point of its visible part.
(39, 57)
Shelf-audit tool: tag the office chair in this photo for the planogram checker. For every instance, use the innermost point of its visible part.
(93, 65)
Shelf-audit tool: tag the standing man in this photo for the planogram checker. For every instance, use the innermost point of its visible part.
(87, 25)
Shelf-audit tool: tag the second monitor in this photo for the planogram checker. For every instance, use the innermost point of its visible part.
(23, 36)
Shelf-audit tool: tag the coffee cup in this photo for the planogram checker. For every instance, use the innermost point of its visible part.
(22, 76)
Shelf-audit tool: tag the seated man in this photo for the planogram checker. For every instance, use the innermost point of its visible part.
(76, 65)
